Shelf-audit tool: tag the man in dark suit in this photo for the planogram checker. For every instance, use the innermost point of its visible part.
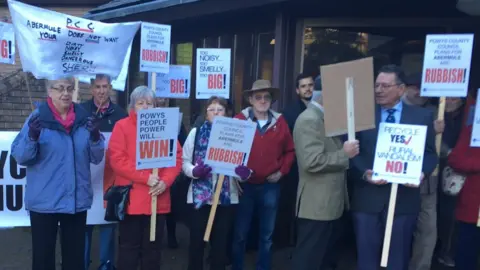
(370, 198)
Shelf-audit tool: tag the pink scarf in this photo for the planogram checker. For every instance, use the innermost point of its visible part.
(68, 122)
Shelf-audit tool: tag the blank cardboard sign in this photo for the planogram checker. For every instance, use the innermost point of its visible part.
(335, 97)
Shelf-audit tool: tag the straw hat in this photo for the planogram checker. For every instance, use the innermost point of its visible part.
(262, 85)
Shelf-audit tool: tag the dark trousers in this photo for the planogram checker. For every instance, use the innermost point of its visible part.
(314, 239)
(171, 229)
(44, 239)
(468, 246)
(135, 247)
(369, 233)
(219, 237)
(446, 224)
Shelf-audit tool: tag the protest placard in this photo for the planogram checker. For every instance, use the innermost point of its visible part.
(229, 144)
(7, 43)
(446, 65)
(13, 180)
(175, 84)
(53, 45)
(213, 73)
(155, 47)
(157, 132)
(475, 139)
(399, 153)
(119, 83)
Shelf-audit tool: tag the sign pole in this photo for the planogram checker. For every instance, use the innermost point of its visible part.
(75, 92)
(153, 217)
(213, 210)
(438, 137)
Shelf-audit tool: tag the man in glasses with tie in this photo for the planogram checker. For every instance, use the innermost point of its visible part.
(370, 198)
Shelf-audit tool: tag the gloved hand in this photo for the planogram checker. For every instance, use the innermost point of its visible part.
(92, 126)
(201, 170)
(34, 127)
(105, 114)
(243, 172)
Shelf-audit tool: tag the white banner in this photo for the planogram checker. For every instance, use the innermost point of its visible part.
(213, 73)
(53, 45)
(175, 84)
(399, 153)
(155, 47)
(475, 139)
(229, 144)
(7, 43)
(121, 81)
(157, 134)
(12, 187)
(446, 65)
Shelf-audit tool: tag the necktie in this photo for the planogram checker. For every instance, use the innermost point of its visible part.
(390, 117)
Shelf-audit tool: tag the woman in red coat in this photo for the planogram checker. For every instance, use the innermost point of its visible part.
(465, 160)
(135, 247)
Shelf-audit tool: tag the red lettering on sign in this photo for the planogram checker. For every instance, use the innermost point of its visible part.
(227, 156)
(4, 48)
(445, 75)
(177, 86)
(154, 56)
(156, 148)
(215, 81)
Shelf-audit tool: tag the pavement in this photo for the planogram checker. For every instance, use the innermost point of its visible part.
(15, 253)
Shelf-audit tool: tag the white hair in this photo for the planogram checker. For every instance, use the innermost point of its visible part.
(50, 83)
(317, 96)
(139, 93)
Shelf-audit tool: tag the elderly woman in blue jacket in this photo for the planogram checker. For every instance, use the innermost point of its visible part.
(57, 143)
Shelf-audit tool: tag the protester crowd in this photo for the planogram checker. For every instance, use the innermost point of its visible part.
(296, 177)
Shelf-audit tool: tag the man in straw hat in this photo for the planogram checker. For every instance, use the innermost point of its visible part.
(271, 157)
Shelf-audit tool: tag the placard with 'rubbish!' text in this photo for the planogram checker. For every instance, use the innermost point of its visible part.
(157, 132)
(399, 153)
(229, 144)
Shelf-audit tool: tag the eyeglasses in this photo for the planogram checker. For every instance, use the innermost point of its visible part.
(61, 89)
(212, 110)
(385, 86)
(264, 97)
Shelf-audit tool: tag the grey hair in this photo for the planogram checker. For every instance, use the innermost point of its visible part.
(50, 83)
(141, 91)
(100, 77)
(317, 96)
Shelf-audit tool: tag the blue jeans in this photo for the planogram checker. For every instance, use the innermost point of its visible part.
(264, 198)
(107, 244)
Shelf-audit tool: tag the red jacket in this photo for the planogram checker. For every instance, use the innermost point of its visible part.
(271, 151)
(121, 155)
(466, 160)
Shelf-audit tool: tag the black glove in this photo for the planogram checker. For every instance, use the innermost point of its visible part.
(34, 127)
(92, 125)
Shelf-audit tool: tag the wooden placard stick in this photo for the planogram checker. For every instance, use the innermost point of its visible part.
(388, 226)
(75, 92)
(438, 137)
(28, 91)
(153, 217)
(213, 210)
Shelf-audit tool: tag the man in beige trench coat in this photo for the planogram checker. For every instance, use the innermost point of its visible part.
(322, 189)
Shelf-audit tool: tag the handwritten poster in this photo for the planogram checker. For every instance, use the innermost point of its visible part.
(175, 84)
(213, 73)
(120, 82)
(53, 45)
(7, 43)
(230, 144)
(155, 47)
(399, 153)
(475, 140)
(446, 65)
(157, 133)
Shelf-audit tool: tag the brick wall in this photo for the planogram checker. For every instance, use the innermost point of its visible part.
(14, 97)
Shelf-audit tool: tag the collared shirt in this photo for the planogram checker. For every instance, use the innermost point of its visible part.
(316, 104)
(397, 114)
(261, 129)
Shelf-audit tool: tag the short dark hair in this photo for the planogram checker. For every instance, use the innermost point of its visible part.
(398, 71)
(216, 99)
(300, 77)
(100, 77)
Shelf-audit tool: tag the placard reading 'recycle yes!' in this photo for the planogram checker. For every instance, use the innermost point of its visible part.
(399, 153)
(157, 133)
(213, 73)
(7, 43)
(175, 84)
(155, 48)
